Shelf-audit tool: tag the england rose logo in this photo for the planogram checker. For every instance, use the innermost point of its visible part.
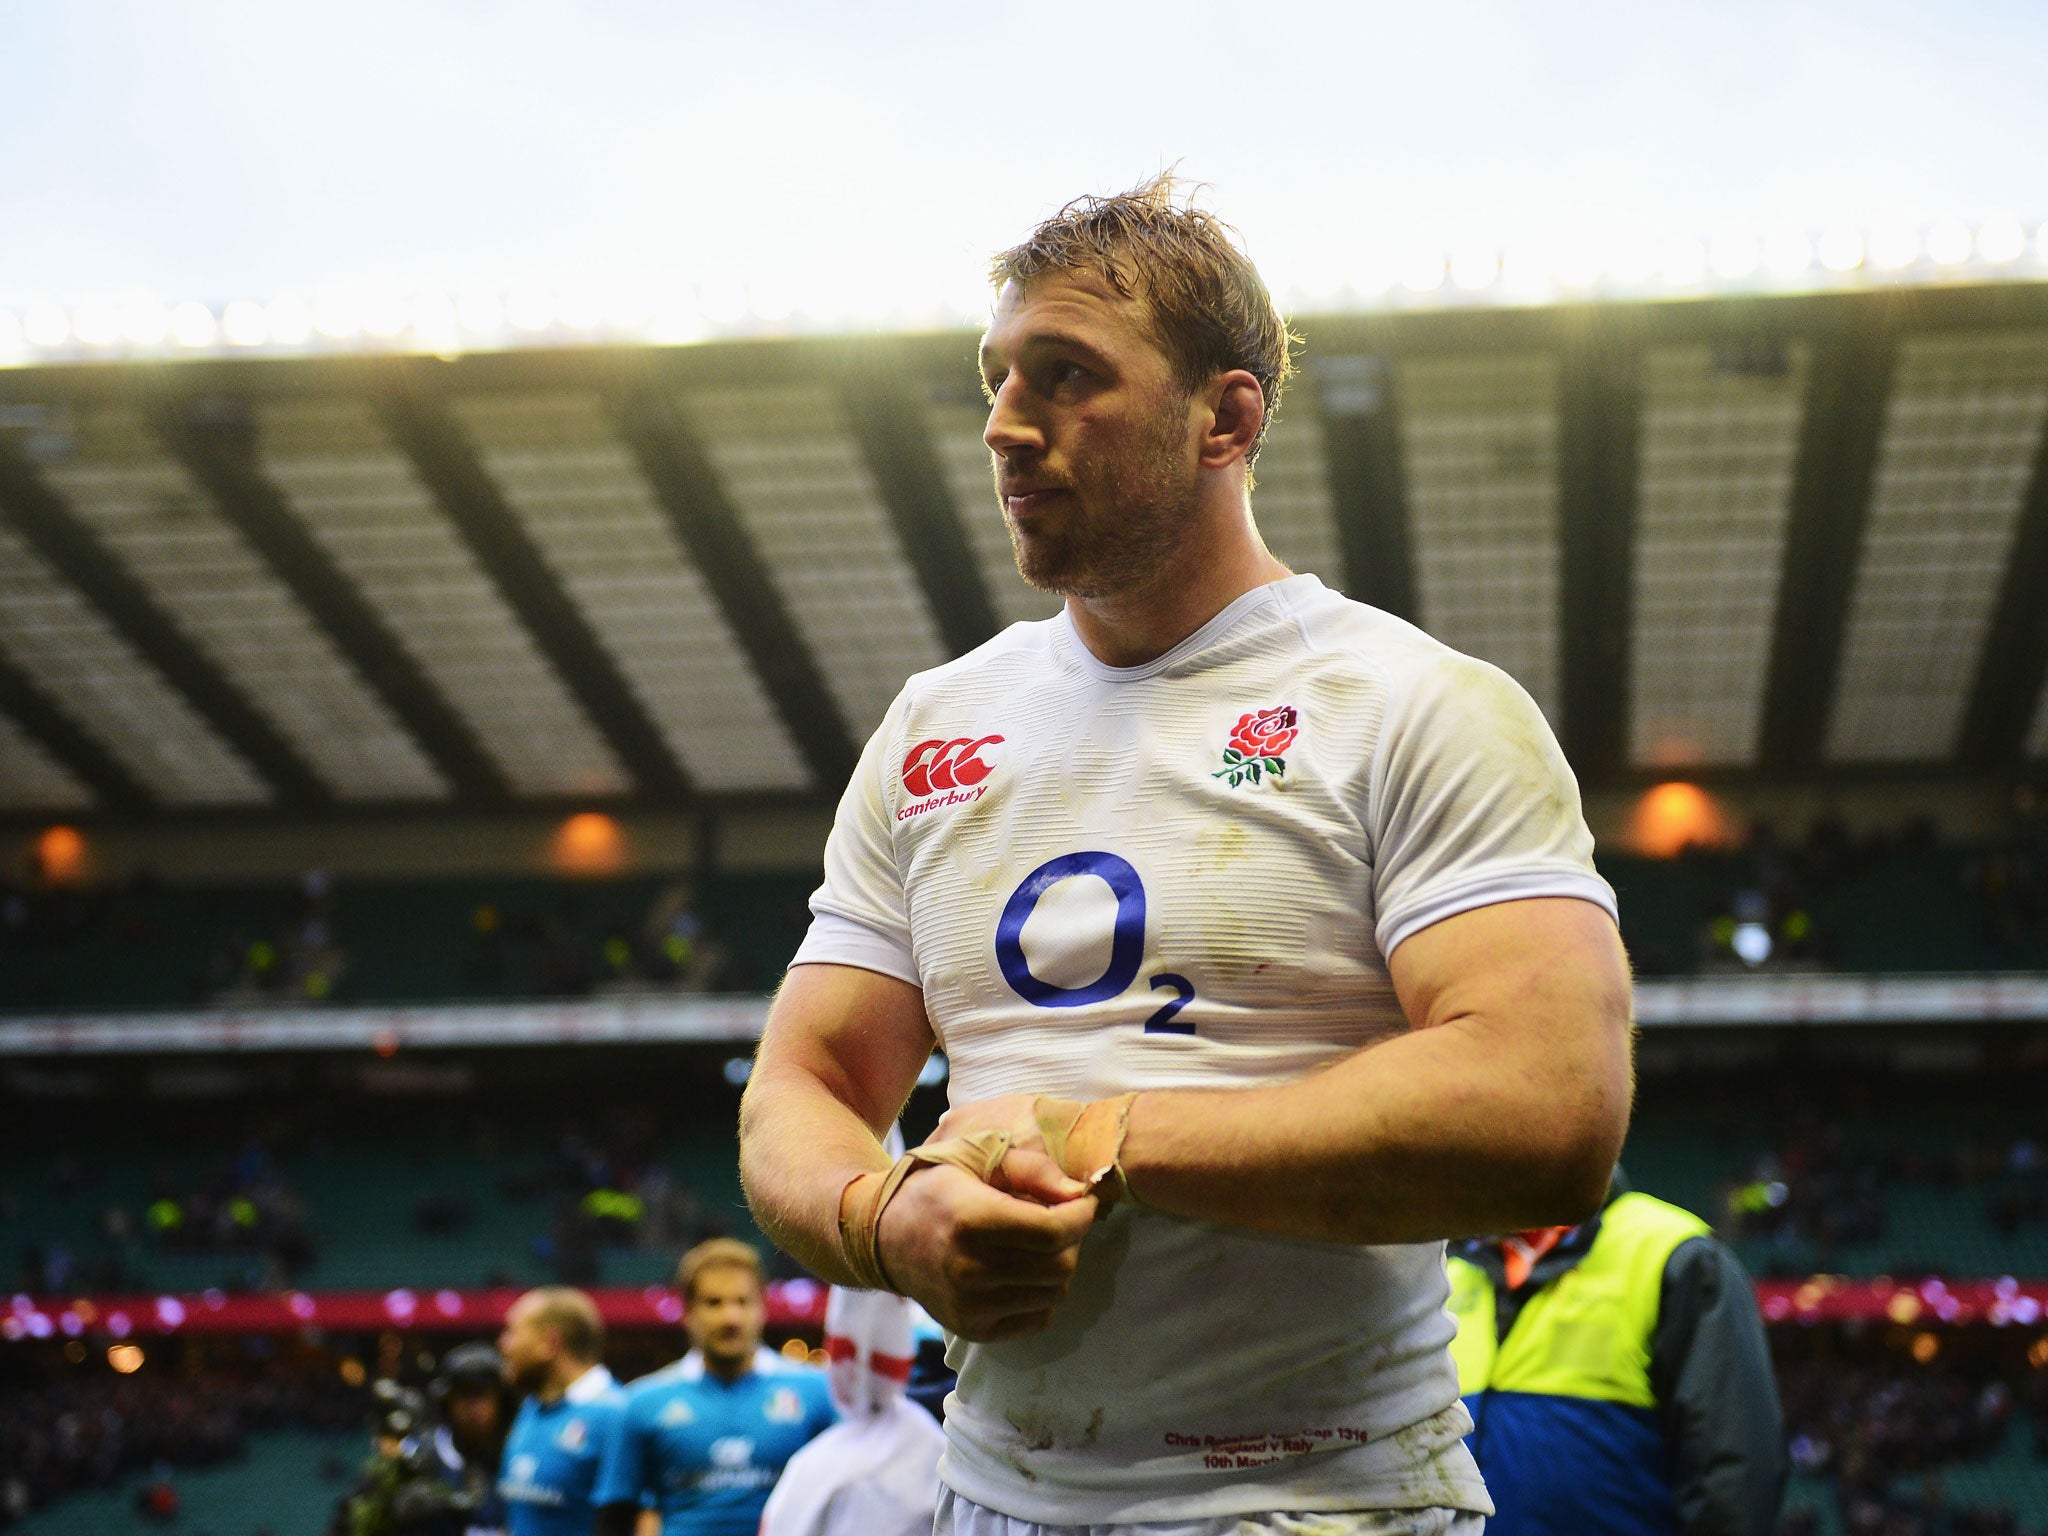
(1258, 743)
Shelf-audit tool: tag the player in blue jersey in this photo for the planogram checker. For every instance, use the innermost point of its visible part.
(705, 1438)
(551, 1344)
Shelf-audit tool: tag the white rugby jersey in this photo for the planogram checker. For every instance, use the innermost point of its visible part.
(1189, 874)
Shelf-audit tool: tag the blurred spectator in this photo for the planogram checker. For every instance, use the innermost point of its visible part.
(89, 1428)
(298, 960)
(158, 1499)
(1867, 1427)
(876, 1472)
(1821, 1190)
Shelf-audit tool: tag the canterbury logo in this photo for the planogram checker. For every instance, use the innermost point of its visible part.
(933, 766)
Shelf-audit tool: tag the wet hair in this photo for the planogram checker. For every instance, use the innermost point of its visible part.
(1210, 309)
(716, 1253)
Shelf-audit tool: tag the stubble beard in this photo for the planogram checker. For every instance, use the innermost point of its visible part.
(1122, 543)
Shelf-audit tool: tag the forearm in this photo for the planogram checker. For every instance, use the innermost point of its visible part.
(1429, 1134)
(800, 1146)
(838, 1057)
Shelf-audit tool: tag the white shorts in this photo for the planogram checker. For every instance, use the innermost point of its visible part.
(964, 1517)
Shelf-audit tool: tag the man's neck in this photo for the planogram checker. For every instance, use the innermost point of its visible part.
(728, 1368)
(1212, 570)
(561, 1377)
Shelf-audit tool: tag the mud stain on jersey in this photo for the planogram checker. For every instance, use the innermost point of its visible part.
(1036, 1437)
(1224, 843)
(1426, 1448)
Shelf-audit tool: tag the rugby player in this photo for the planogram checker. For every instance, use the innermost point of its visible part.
(551, 1344)
(703, 1440)
(1261, 933)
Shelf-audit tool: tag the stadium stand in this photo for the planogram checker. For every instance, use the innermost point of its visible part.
(1796, 547)
(149, 945)
(1895, 904)
(343, 1190)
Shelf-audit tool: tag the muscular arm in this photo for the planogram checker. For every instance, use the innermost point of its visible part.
(838, 1058)
(840, 1054)
(1502, 1107)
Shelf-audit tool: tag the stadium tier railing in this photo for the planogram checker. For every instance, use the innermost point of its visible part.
(794, 1303)
(2002, 1302)
(1819, 998)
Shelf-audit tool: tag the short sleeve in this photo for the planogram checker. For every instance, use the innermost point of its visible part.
(859, 916)
(622, 1470)
(1472, 803)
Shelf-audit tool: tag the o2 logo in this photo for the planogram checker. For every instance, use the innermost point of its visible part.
(1126, 944)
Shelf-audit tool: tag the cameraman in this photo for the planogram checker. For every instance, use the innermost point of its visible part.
(429, 1477)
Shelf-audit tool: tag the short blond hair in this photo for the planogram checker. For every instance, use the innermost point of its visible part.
(716, 1253)
(572, 1316)
(1211, 311)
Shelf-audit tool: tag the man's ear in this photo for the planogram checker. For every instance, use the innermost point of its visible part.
(1237, 410)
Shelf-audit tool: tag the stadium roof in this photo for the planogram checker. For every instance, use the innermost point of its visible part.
(1770, 536)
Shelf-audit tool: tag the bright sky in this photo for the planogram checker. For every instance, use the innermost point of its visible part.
(213, 149)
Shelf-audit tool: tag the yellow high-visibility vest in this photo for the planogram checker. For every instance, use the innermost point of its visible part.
(1587, 1333)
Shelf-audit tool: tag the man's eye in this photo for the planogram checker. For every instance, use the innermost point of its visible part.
(1068, 373)
(990, 383)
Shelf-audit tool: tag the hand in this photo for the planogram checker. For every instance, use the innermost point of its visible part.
(1087, 1138)
(986, 1264)
(1028, 1169)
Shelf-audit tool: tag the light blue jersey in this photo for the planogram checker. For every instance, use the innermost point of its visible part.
(553, 1455)
(708, 1451)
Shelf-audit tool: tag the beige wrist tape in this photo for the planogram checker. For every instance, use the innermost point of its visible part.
(1057, 1119)
(860, 1217)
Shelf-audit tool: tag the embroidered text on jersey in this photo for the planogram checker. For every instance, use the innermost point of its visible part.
(1257, 743)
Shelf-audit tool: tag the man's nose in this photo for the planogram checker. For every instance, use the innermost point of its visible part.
(1010, 427)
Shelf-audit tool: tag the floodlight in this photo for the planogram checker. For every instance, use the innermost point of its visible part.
(1949, 242)
(1474, 268)
(1576, 264)
(290, 320)
(334, 315)
(1683, 263)
(47, 325)
(1787, 253)
(1893, 248)
(146, 322)
(383, 315)
(1423, 272)
(193, 325)
(723, 303)
(1733, 256)
(244, 324)
(2001, 239)
(96, 324)
(579, 309)
(530, 309)
(771, 300)
(1631, 261)
(1841, 250)
(675, 320)
(480, 312)
(433, 319)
